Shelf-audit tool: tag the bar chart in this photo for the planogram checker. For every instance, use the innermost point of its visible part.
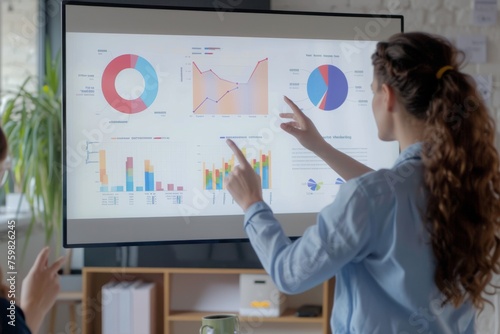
(128, 167)
(213, 174)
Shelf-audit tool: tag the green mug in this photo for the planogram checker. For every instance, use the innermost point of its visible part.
(220, 324)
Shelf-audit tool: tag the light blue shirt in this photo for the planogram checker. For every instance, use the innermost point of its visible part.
(373, 239)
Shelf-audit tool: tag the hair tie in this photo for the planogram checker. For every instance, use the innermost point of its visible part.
(442, 70)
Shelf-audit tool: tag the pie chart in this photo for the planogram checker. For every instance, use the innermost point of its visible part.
(145, 69)
(339, 181)
(313, 185)
(327, 87)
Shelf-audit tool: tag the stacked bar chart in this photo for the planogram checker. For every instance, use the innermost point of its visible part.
(213, 176)
(261, 167)
(149, 176)
(147, 183)
(130, 174)
(103, 176)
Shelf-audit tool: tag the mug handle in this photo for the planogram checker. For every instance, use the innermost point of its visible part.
(237, 320)
(202, 327)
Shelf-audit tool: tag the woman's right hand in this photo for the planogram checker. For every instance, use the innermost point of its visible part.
(302, 128)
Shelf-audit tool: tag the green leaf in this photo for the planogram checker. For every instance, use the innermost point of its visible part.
(32, 122)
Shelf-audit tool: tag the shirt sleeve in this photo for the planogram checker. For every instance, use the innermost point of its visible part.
(341, 235)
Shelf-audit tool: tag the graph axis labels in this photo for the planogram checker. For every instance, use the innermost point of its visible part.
(148, 73)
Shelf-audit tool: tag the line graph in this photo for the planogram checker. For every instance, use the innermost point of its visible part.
(213, 95)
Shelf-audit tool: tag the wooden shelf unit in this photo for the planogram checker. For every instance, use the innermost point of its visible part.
(287, 316)
(167, 314)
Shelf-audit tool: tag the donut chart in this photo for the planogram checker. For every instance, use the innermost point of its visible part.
(147, 71)
(327, 87)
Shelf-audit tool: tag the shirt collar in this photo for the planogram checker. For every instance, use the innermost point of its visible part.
(411, 152)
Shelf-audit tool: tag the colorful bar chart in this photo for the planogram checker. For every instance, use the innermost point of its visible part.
(149, 175)
(150, 184)
(130, 173)
(103, 176)
(213, 177)
(262, 168)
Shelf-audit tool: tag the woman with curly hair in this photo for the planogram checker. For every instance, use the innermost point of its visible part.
(413, 248)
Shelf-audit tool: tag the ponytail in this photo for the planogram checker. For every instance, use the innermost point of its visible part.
(462, 178)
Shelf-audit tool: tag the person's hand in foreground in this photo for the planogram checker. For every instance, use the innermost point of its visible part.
(39, 289)
(302, 128)
(243, 183)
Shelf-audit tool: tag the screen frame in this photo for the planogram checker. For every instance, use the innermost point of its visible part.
(235, 218)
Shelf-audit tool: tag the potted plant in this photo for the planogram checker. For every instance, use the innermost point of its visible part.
(32, 122)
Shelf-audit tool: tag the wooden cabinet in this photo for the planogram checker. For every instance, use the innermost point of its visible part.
(185, 295)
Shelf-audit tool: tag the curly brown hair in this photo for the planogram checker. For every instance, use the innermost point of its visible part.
(461, 162)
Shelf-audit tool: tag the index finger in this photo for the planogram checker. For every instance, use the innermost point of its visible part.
(289, 115)
(42, 258)
(237, 152)
(57, 264)
(296, 110)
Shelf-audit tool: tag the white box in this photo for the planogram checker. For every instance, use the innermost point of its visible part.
(110, 302)
(144, 308)
(259, 296)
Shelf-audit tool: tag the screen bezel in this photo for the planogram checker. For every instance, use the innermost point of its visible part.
(235, 218)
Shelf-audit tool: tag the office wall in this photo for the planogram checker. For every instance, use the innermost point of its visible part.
(18, 42)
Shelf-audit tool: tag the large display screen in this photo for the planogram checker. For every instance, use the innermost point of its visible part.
(152, 94)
